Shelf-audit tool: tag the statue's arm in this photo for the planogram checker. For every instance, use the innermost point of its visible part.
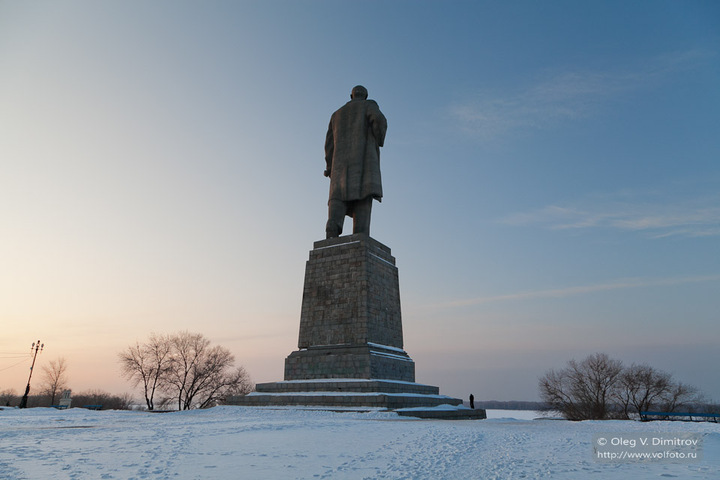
(329, 149)
(378, 123)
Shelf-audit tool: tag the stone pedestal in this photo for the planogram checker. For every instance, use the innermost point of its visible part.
(350, 324)
(350, 347)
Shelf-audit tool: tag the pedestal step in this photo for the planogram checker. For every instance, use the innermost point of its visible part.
(391, 401)
(344, 385)
(346, 393)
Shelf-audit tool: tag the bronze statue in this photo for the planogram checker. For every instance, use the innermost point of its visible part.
(352, 153)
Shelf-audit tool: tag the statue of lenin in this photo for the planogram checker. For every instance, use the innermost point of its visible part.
(352, 154)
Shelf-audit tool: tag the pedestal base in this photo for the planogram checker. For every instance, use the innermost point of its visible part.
(351, 353)
(367, 361)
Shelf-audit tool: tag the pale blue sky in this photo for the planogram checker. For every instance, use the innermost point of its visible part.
(551, 179)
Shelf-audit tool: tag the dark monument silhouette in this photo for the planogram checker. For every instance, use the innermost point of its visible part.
(350, 347)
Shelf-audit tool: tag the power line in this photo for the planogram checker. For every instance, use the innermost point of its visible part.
(14, 365)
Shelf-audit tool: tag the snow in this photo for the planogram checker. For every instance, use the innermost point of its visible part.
(387, 347)
(390, 355)
(348, 394)
(245, 442)
(338, 245)
(347, 380)
(382, 259)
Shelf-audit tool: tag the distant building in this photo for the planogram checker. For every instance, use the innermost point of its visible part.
(65, 400)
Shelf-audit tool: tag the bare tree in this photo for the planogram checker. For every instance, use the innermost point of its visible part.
(199, 376)
(54, 379)
(679, 396)
(186, 368)
(232, 383)
(147, 364)
(188, 350)
(555, 392)
(599, 387)
(583, 390)
(642, 388)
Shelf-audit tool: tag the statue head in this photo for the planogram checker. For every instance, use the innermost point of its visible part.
(359, 92)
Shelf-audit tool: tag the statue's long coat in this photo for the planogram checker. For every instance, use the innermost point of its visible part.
(352, 151)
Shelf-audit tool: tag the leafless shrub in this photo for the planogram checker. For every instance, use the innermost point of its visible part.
(9, 397)
(599, 387)
(583, 390)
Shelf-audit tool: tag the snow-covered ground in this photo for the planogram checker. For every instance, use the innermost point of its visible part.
(252, 443)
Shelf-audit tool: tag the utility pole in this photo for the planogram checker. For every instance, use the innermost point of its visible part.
(38, 348)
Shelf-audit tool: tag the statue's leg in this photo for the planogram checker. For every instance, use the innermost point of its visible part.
(336, 218)
(361, 215)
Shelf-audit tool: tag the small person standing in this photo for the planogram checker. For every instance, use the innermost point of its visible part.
(472, 401)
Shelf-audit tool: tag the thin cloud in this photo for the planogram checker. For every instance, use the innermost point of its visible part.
(696, 218)
(583, 290)
(562, 97)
